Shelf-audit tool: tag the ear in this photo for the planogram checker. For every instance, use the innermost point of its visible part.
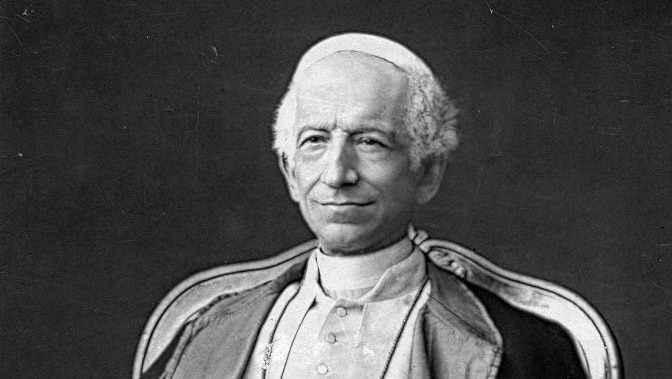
(290, 178)
(431, 175)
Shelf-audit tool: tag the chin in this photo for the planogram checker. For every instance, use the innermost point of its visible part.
(344, 238)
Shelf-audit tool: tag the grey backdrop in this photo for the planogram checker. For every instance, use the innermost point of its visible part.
(135, 139)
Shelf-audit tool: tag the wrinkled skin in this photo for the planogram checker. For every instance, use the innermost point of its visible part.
(351, 174)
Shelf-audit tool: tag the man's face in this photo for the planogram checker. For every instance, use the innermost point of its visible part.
(351, 173)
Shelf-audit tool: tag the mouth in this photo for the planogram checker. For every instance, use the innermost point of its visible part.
(344, 211)
(345, 203)
(344, 207)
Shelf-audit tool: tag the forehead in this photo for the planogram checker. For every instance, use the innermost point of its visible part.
(350, 90)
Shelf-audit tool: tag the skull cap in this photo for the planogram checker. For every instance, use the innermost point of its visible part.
(381, 47)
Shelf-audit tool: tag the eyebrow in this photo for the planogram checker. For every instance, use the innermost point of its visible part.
(351, 128)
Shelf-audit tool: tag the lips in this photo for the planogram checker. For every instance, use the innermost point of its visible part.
(345, 203)
(342, 211)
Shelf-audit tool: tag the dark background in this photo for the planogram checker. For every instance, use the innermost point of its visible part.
(135, 150)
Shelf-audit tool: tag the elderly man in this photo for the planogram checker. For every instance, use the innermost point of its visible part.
(363, 136)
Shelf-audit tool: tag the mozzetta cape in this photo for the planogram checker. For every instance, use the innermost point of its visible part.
(455, 336)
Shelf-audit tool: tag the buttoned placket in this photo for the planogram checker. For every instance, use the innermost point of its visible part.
(343, 315)
(340, 310)
(338, 333)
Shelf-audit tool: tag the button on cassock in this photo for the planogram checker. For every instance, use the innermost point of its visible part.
(330, 337)
(341, 311)
(322, 369)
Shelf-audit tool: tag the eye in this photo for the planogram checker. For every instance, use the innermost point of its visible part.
(369, 142)
(312, 140)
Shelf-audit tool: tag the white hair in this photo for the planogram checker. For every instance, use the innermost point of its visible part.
(429, 115)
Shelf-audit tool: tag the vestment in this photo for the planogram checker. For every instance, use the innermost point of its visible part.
(358, 323)
(456, 330)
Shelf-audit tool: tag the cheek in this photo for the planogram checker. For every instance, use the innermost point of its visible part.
(399, 183)
(304, 177)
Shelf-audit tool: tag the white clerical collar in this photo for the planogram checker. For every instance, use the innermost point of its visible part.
(358, 272)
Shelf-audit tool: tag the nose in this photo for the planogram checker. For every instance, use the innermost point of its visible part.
(339, 169)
